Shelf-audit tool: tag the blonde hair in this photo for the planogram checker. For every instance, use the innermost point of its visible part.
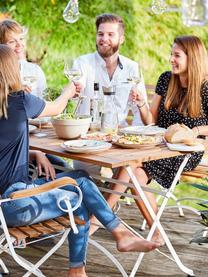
(7, 27)
(9, 77)
(197, 74)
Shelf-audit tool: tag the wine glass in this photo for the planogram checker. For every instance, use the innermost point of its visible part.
(29, 75)
(75, 76)
(134, 80)
(72, 74)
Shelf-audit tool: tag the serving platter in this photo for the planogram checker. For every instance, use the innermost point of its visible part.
(138, 141)
(143, 130)
(138, 146)
(85, 146)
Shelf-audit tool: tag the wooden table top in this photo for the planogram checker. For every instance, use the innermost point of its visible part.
(112, 158)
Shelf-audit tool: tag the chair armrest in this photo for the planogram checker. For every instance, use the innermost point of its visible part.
(61, 182)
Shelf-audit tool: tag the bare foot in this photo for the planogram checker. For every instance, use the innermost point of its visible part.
(77, 272)
(157, 237)
(128, 242)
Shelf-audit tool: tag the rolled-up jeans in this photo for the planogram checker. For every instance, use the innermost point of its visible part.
(44, 206)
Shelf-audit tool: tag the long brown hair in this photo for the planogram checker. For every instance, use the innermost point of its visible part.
(7, 27)
(197, 74)
(9, 77)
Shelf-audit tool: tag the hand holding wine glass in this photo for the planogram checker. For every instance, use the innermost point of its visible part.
(136, 98)
(134, 80)
(74, 75)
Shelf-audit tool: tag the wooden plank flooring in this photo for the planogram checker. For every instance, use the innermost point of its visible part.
(180, 230)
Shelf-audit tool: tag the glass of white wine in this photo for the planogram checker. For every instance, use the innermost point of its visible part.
(29, 75)
(74, 75)
(134, 81)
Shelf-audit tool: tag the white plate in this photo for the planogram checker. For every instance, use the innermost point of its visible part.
(85, 146)
(185, 148)
(37, 121)
(32, 128)
(143, 130)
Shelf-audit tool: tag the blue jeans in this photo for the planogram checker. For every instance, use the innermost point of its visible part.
(55, 160)
(42, 207)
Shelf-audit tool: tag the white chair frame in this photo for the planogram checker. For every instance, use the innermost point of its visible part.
(7, 240)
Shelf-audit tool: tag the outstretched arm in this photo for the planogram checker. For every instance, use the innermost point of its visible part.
(58, 105)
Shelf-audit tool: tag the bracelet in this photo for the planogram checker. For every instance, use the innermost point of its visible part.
(141, 105)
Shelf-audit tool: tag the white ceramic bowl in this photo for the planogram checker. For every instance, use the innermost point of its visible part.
(71, 128)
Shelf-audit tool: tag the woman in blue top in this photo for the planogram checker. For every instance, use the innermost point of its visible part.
(13, 35)
(15, 109)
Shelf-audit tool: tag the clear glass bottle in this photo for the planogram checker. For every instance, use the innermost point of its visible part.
(96, 108)
(109, 123)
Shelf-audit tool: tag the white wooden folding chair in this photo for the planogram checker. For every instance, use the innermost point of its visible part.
(40, 231)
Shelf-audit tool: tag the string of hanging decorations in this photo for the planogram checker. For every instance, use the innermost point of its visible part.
(194, 12)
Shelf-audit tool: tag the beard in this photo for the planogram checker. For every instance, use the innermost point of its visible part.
(108, 52)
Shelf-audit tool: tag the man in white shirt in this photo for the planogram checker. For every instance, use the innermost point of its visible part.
(108, 68)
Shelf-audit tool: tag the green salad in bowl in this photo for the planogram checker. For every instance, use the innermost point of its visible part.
(68, 126)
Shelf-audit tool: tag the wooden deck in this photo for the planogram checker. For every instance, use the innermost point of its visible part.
(180, 230)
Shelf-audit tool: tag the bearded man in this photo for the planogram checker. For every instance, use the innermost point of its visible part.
(108, 68)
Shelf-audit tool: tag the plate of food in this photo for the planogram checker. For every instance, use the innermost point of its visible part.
(32, 129)
(138, 141)
(143, 130)
(180, 137)
(85, 146)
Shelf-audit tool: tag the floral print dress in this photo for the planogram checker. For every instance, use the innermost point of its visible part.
(164, 170)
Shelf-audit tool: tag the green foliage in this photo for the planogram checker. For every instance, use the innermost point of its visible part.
(201, 236)
(51, 39)
(185, 190)
(204, 215)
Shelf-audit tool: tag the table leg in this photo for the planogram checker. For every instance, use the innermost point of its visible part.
(156, 218)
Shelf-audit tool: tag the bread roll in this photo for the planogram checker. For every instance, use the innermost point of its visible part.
(180, 133)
